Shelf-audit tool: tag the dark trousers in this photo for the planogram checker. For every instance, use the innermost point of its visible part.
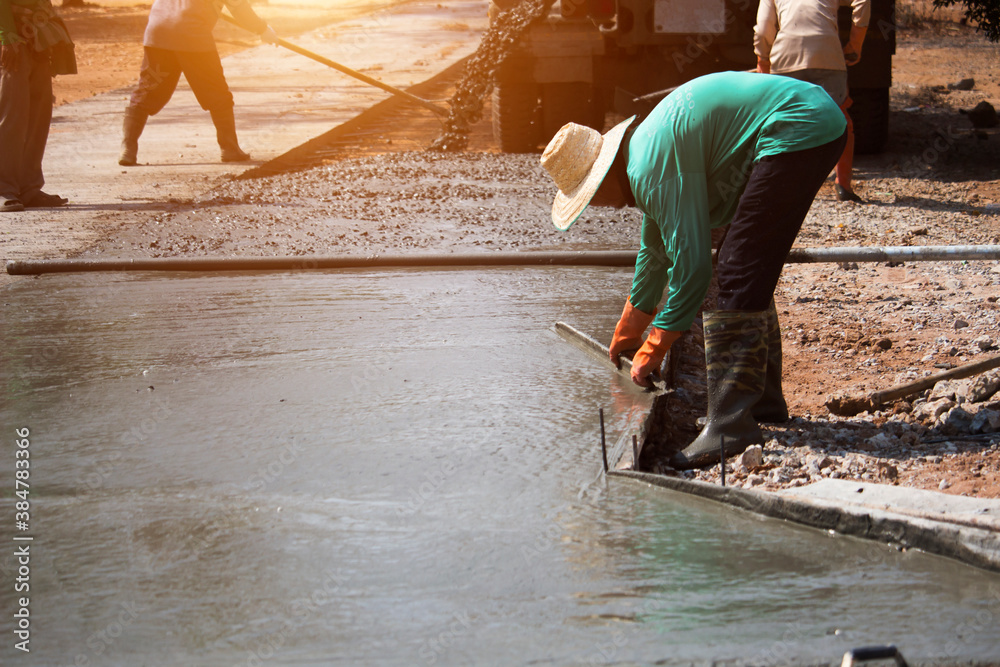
(162, 69)
(25, 115)
(779, 192)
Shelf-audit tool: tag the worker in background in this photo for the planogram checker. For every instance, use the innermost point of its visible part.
(178, 40)
(732, 148)
(34, 47)
(800, 39)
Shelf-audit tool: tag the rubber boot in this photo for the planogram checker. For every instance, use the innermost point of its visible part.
(736, 360)
(132, 127)
(772, 408)
(225, 132)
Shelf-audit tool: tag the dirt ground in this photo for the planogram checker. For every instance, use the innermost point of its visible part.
(848, 329)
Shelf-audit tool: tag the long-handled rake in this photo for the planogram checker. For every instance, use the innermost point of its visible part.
(427, 104)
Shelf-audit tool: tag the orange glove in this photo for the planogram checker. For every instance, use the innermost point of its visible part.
(650, 356)
(628, 333)
(763, 66)
(852, 50)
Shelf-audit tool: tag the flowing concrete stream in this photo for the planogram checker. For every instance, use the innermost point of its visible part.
(395, 467)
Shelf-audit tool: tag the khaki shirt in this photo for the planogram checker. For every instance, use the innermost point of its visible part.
(186, 25)
(802, 34)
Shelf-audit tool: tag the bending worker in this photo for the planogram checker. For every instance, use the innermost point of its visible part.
(178, 40)
(800, 39)
(732, 148)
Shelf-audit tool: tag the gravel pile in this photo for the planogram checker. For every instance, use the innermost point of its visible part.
(399, 202)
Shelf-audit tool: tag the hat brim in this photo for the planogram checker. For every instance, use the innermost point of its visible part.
(568, 206)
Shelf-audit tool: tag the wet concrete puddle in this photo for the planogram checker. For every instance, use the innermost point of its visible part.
(394, 467)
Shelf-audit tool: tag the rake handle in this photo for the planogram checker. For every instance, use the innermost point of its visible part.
(427, 104)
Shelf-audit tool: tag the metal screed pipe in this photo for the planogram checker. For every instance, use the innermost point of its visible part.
(611, 258)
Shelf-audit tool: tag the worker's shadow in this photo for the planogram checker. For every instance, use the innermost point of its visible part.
(171, 206)
(938, 205)
(208, 165)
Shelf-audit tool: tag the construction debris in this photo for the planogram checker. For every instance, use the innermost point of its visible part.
(846, 406)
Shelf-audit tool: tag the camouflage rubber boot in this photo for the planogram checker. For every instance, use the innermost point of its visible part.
(736, 360)
(132, 126)
(225, 132)
(772, 408)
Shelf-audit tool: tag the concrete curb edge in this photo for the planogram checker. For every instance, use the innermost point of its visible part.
(973, 546)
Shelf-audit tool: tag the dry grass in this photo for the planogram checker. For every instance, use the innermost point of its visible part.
(922, 13)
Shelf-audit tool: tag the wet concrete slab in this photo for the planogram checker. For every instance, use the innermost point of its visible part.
(396, 467)
(965, 529)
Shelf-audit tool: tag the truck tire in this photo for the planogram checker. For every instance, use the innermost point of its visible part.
(515, 117)
(870, 115)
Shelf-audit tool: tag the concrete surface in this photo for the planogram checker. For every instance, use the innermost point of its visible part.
(284, 100)
(960, 510)
(965, 529)
(948, 534)
(265, 482)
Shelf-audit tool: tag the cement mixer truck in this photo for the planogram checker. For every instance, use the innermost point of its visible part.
(589, 57)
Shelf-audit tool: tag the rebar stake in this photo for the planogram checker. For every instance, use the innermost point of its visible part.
(604, 446)
(635, 453)
(722, 458)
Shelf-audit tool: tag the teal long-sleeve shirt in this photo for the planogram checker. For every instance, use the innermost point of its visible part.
(688, 164)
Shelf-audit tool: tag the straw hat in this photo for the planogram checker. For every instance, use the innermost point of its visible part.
(578, 158)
